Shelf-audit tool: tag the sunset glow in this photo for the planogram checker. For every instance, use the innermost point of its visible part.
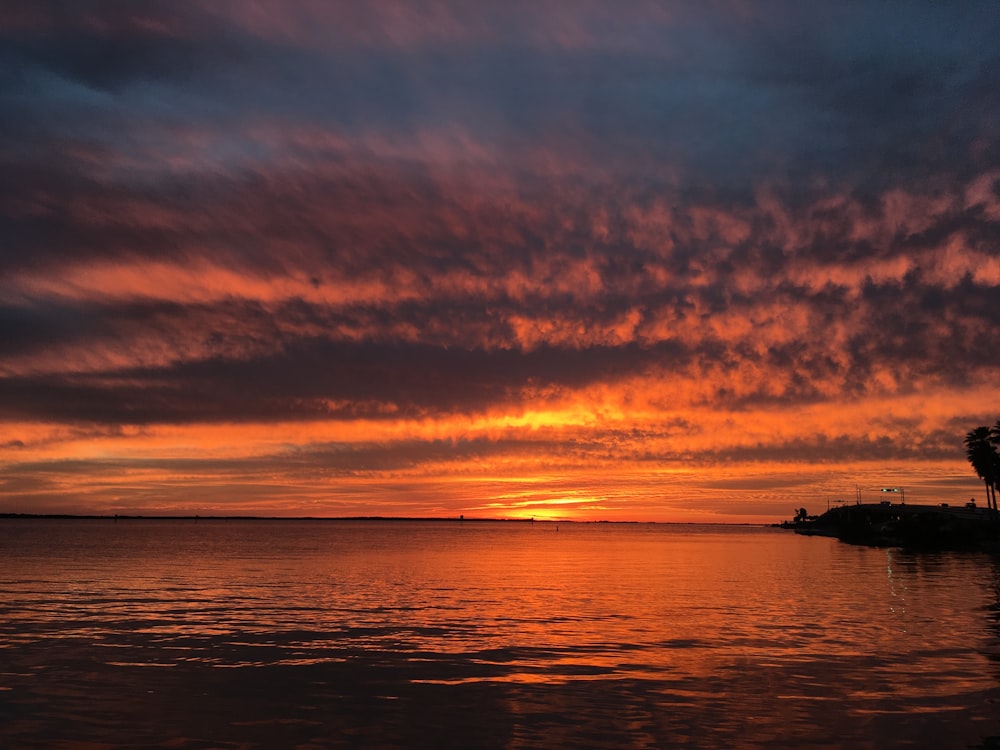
(665, 261)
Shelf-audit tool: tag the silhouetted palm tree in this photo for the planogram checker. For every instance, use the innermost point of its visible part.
(985, 461)
(995, 434)
(995, 442)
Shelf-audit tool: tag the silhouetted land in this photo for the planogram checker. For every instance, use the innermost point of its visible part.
(930, 527)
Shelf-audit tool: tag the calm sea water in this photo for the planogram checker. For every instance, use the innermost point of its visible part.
(260, 634)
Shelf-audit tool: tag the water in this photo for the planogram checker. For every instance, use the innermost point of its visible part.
(273, 634)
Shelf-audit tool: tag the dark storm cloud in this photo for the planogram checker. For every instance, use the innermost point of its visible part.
(818, 90)
(110, 58)
(312, 379)
(877, 85)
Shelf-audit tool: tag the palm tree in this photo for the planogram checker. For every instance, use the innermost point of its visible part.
(985, 461)
(995, 442)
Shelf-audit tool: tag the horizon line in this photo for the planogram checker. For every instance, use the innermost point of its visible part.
(456, 519)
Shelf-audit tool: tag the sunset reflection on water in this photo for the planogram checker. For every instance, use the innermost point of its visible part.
(542, 634)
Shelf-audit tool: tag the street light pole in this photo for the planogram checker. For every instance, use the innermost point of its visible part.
(900, 490)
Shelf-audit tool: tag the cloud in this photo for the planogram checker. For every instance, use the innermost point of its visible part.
(523, 228)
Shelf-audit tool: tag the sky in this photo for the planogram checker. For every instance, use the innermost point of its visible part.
(654, 261)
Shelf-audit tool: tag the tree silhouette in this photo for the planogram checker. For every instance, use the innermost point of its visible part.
(980, 450)
(995, 442)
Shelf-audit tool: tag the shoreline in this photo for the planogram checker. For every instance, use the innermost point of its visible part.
(913, 527)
